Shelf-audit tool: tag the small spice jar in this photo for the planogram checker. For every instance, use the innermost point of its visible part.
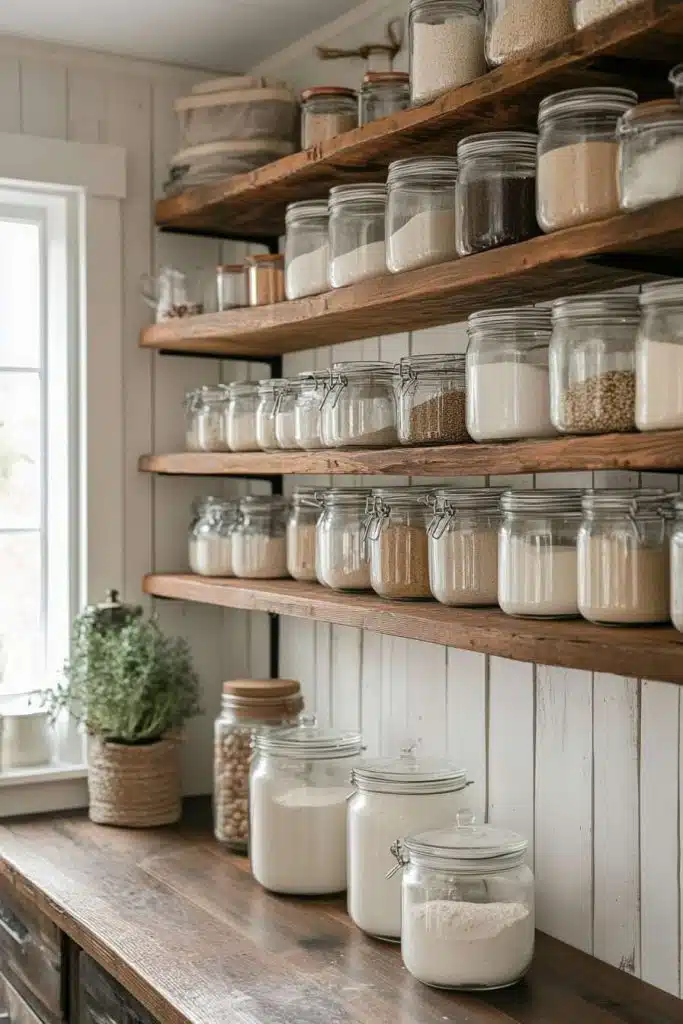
(248, 706)
(383, 93)
(650, 154)
(517, 27)
(266, 275)
(623, 557)
(397, 542)
(495, 197)
(207, 424)
(360, 406)
(265, 413)
(578, 155)
(508, 392)
(210, 538)
(327, 111)
(306, 248)
(243, 403)
(308, 404)
(393, 797)
(676, 566)
(285, 400)
(431, 400)
(586, 12)
(463, 546)
(446, 45)
(231, 286)
(420, 219)
(659, 357)
(301, 534)
(342, 561)
(259, 544)
(592, 364)
(357, 250)
(537, 574)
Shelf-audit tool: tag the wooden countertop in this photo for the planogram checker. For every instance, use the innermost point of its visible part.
(183, 927)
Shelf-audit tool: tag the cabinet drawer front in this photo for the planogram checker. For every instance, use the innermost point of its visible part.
(30, 952)
(103, 1001)
(14, 1009)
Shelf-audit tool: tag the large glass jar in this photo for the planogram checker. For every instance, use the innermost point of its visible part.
(495, 197)
(265, 414)
(537, 573)
(357, 247)
(623, 557)
(468, 906)
(586, 12)
(342, 561)
(446, 45)
(578, 155)
(394, 797)
(420, 212)
(308, 404)
(301, 531)
(306, 248)
(383, 93)
(508, 389)
(241, 416)
(431, 400)
(327, 111)
(359, 410)
(206, 419)
(592, 364)
(517, 27)
(248, 706)
(210, 538)
(676, 567)
(285, 402)
(397, 542)
(298, 792)
(259, 543)
(463, 546)
(659, 357)
(650, 154)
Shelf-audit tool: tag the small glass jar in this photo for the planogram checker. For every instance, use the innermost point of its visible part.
(306, 248)
(420, 219)
(265, 414)
(231, 286)
(327, 111)
(495, 197)
(189, 403)
(308, 405)
(259, 543)
(676, 567)
(468, 906)
(342, 561)
(359, 410)
(210, 538)
(382, 94)
(587, 12)
(508, 389)
(207, 419)
(298, 792)
(431, 400)
(463, 546)
(241, 416)
(301, 534)
(285, 401)
(537, 573)
(659, 357)
(393, 797)
(397, 542)
(515, 28)
(266, 276)
(592, 364)
(446, 45)
(248, 706)
(623, 557)
(578, 155)
(650, 154)
(357, 250)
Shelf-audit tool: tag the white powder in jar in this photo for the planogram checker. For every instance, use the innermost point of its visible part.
(285, 424)
(211, 431)
(242, 435)
(676, 584)
(588, 11)
(653, 176)
(211, 555)
(623, 582)
(301, 548)
(342, 561)
(358, 264)
(307, 274)
(521, 26)
(463, 567)
(258, 556)
(659, 384)
(265, 432)
(446, 55)
(308, 425)
(537, 580)
(428, 237)
(508, 400)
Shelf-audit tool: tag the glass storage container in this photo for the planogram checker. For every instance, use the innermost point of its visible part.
(578, 155)
(431, 399)
(468, 906)
(676, 566)
(189, 402)
(495, 197)
(306, 248)
(210, 539)
(206, 411)
(446, 45)
(265, 414)
(241, 416)
(342, 561)
(308, 405)
(357, 251)
(650, 154)
(285, 401)
(173, 293)
(592, 364)
(517, 27)
(383, 93)
(301, 532)
(231, 286)
(463, 546)
(266, 277)
(248, 706)
(659, 357)
(327, 111)
(586, 12)
(537, 573)
(359, 410)
(420, 220)
(676, 80)
(393, 797)
(508, 390)
(298, 794)
(397, 542)
(259, 543)
(623, 557)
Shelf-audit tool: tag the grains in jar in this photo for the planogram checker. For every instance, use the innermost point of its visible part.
(397, 541)
(431, 399)
(327, 111)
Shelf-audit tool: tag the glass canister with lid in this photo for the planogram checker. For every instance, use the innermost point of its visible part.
(676, 565)
(463, 546)
(342, 561)
(306, 248)
(431, 399)
(359, 409)
(446, 45)
(206, 421)
(397, 542)
(650, 154)
(285, 402)
(517, 27)
(301, 534)
(298, 794)
(327, 111)
(243, 404)
(210, 538)
(265, 413)
(659, 357)
(383, 93)
(308, 405)
(357, 230)
(420, 212)
(259, 543)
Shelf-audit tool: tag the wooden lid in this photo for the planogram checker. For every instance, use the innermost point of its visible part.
(397, 77)
(261, 688)
(231, 268)
(266, 257)
(327, 90)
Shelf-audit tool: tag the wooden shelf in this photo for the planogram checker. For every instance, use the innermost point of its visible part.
(647, 653)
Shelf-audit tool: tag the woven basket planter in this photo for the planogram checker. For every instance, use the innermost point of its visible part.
(134, 786)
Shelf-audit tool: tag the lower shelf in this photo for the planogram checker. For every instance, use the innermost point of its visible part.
(646, 653)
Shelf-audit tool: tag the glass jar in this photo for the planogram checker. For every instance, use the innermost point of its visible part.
(306, 248)
(207, 418)
(231, 286)
(383, 93)
(592, 364)
(431, 400)
(327, 111)
(420, 212)
(308, 404)
(301, 532)
(393, 797)
(586, 12)
(357, 250)
(259, 544)
(676, 567)
(189, 403)
(659, 357)
(468, 906)
(508, 390)
(285, 401)
(265, 414)
(341, 552)
(676, 80)
(537, 574)
(623, 553)
(650, 154)
(298, 792)
(248, 706)
(463, 546)
(266, 276)
(446, 45)
(578, 155)
(359, 410)
(495, 197)
(241, 416)
(515, 27)
(397, 542)
(210, 539)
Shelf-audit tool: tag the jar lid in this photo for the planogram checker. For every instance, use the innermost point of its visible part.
(393, 496)
(601, 100)
(264, 258)
(247, 689)
(308, 740)
(477, 499)
(643, 502)
(617, 307)
(553, 501)
(341, 194)
(305, 208)
(386, 78)
(348, 496)
(468, 843)
(305, 496)
(269, 384)
(262, 503)
(432, 366)
(526, 318)
(440, 168)
(664, 293)
(208, 395)
(240, 388)
(357, 368)
(498, 144)
(408, 774)
(649, 115)
(230, 268)
(326, 90)
(270, 700)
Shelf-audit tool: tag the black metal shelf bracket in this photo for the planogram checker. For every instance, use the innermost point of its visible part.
(656, 265)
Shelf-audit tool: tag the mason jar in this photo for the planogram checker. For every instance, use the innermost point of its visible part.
(306, 248)
(207, 418)
(397, 542)
(243, 403)
(650, 154)
(463, 546)
(659, 357)
(285, 400)
(446, 46)
(357, 248)
(431, 399)
(513, 30)
(623, 553)
(327, 111)
(342, 561)
(508, 388)
(676, 567)
(248, 706)
(298, 793)
(537, 568)
(495, 197)
(420, 219)
(231, 286)
(266, 278)
(394, 797)
(578, 155)
(308, 405)
(383, 93)
(360, 406)
(301, 532)
(210, 538)
(468, 906)
(191, 432)
(259, 543)
(592, 364)
(265, 414)
(586, 12)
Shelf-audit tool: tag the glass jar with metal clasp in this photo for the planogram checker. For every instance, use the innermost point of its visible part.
(359, 409)
(206, 411)
(396, 526)
(301, 534)
(210, 538)
(463, 546)
(265, 412)
(431, 398)
(341, 551)
(308, 406)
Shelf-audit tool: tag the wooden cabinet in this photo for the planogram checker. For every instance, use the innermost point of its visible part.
(30, 956)
(102, 1000)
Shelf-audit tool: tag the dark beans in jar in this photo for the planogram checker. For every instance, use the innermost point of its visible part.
(495, 211)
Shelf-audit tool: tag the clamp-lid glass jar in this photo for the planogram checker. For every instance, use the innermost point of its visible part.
(659, 357)
(206, 412)
(308, 404)
(342, 561)
(327, 111)
(676, 566)
(241, 416)
(650, 154)
(284, 411)
(420, 212)
(586, 12)
(431, 399)
(463, 546)
(265, 413)
(210, 539)
(383, 93)
(397, 542)
(301, 534)
(516, 27)
(357, 249)
(259, 544)
(306, 248)
(359, 409)
(446, 45)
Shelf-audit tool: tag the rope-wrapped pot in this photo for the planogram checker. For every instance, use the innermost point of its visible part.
(135, 786)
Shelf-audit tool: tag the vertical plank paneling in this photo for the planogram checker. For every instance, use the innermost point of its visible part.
(466, 720)
(372, 716)
(346, 662)
(87, 112)
(396, 728)
(43, 98)
(10, 94)
(427, 697)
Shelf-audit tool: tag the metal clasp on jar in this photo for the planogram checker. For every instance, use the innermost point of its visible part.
(333, 389)
(442, 516)
(376, 513)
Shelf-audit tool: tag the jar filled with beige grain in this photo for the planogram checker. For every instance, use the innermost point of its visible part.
(301, 534)
(518, 27)
(327, 111)
(463, 546)
(432, 400)
(397, 542)
(266, 276)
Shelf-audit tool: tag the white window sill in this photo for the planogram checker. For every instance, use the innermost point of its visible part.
(54, 772)
(45, 789)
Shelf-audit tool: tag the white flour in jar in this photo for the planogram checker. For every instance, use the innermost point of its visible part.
(358, 264)
(508, 400)
(211, 555)
(242, 435)
(285, 423)
(307, 274)
(539, 580)
(301, 545)
(428, 237)
(258, 556)
(659, 385)
(653, 175)
(463, 567)
(446, 55)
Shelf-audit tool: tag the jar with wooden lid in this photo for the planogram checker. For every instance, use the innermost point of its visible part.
(266, 276)
(301, 534)
(397, 541)
(231, 286)
(383, 93)
(650, 154)
(327, 111)
(248, 706)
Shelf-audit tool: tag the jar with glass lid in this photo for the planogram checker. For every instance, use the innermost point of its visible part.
(308, 404)
(342, 561)
(463, 546)
(592, 363)
(515, 27)
(397, 542)
(394, 797)
(298, 794)
(420, 212)
(359, 409)
(206, 419)
(676, 565)
(327, 111)
(431, 399)
(468, 906)
(210, 538)
(623, 556)
(301, 534)
(248, 706)
(659, 357)
(259, 543)
(306, 248)
(383, 93)
(265, 413)
(243, 403)
(446, 45)
(357, 229)
(285, 400)
(650, 154)
(537, 561)
(508, 386)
